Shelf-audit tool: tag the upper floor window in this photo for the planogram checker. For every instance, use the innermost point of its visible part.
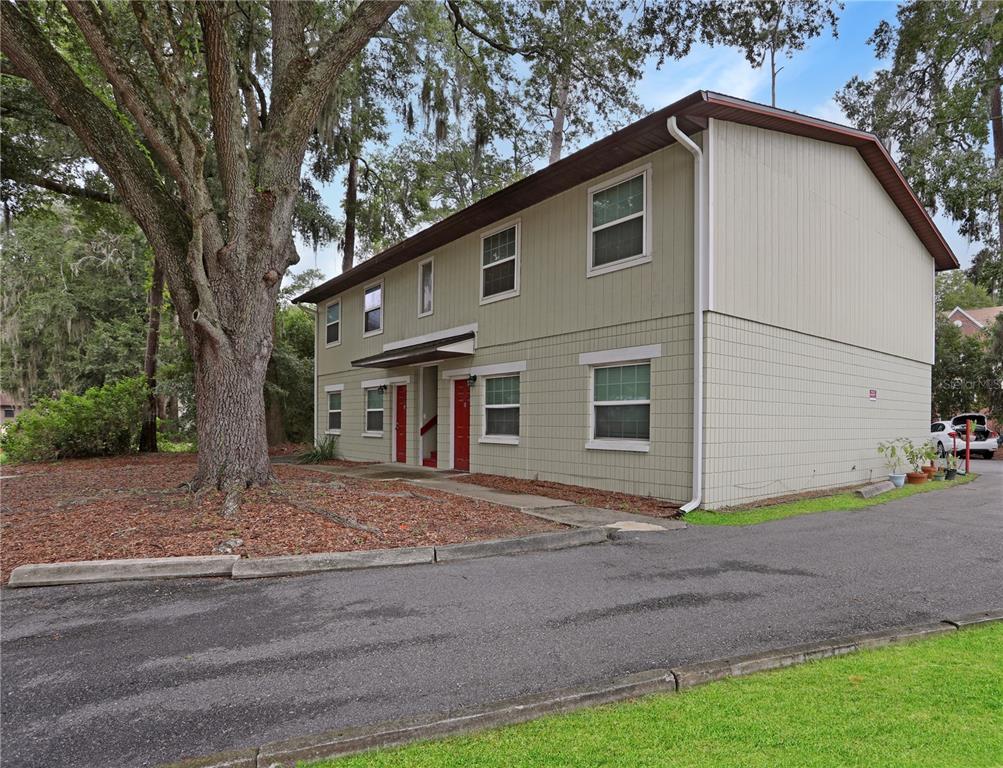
(333, 323)
(425, 288)
(501, 407)
(619, 224)
(500, 263)
(373, 310)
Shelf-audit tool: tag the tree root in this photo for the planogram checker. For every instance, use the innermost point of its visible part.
(334, 517)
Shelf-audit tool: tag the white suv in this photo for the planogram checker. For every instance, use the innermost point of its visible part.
(948, 436)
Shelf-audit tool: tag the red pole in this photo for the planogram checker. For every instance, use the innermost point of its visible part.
(968, 446)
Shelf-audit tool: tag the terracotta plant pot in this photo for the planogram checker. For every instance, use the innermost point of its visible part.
(915, 478)
(930, 470)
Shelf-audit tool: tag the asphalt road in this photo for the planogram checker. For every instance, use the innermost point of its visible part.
(140, 674)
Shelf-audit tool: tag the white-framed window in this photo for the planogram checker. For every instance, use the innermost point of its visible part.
(373, 425)
(500, 263)
(332, 324)
(501, 409)
(372, 309)
(619, 222)
(426, 287)
(621, 407)
(334, 413)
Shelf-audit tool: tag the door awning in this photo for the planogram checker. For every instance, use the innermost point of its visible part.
(426, 352)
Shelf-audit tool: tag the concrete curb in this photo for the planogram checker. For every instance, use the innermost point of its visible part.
(691, 675)
(89, 571)
(290, 565)
(539, 542)
(236, 567)
(975, 619)
(509, 712)
(396, 733)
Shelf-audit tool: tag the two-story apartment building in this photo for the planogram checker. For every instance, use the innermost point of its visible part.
(721, 302)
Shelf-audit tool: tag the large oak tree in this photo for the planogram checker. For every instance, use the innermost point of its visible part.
(204, 145)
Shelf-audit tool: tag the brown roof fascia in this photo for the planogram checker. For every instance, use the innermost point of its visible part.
(637, 140)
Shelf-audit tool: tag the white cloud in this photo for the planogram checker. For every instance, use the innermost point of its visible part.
(715, 69)
(830, 111)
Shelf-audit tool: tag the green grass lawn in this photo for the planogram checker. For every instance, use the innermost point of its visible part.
(935, 703)
(839, 501)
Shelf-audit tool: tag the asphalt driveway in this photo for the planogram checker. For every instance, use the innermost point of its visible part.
(139, 674)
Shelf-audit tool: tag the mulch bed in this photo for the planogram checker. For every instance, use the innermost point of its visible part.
(586, 497)
(132, 506)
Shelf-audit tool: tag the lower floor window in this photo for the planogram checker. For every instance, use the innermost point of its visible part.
(334, 411)
(501, 406)
(621, 402)
(374, 410)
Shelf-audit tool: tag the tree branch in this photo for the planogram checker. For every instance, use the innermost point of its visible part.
(134, 96)
(297, 103)
(224, 102)
(112, 145)
(54, 185)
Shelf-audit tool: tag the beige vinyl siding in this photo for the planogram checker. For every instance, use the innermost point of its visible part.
(555, 411)
(789, 412)
(555, 295)
(804, 237)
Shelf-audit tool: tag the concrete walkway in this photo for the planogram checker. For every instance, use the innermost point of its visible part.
(137, 674)
(556, 510)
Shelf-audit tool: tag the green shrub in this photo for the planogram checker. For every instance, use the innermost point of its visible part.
(325, 450)
(104, 421)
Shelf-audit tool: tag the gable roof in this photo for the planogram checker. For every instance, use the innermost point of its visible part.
(637, 140)
(981, 316)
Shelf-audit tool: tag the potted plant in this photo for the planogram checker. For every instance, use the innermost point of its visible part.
(894, 458)
(940, 474)
(951, 466)
(915, 456)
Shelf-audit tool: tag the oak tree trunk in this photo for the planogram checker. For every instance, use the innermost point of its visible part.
(229, 390)
(148, 434)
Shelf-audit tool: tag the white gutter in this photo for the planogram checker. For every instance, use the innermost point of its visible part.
(699, 278)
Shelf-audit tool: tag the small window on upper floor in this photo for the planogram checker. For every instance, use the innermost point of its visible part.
(619, 224)
(425, 288)
(333, 323)
(372, 312)
(500, 263)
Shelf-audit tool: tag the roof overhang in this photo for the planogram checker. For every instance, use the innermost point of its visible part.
(460, 345)
(638, 139)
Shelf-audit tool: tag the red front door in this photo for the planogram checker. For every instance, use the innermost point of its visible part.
(400, 424)
(461, 425)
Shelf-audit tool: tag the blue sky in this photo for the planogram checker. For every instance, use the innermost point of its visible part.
(806, 84)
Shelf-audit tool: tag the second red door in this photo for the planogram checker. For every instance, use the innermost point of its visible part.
(400, 424)
(461, 425)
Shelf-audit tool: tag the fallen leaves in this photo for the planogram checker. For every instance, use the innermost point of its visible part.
(134, 506)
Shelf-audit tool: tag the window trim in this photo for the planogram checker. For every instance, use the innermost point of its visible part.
(431, 262)
(517, 223)
(499, 439)
(633, 261)
(616, 443)
(366, 432)
(329, 344)
(366, 334)
(329, 390)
